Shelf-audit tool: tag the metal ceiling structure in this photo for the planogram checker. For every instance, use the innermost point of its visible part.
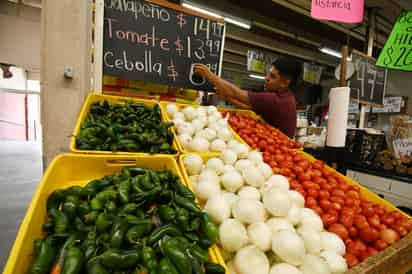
(285, 27)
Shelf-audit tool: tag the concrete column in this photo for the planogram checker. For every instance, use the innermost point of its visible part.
(65, 41)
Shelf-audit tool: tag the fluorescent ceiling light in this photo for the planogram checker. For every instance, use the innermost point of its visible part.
(333, 52)
(256, 76)
(213, 14)
(189, 6)
(237, 23)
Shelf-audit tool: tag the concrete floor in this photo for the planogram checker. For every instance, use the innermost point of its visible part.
(20, 172)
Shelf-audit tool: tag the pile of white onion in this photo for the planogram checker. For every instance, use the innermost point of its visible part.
(264, 227)
(201, 129)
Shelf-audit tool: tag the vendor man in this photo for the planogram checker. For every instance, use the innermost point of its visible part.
(276, 104)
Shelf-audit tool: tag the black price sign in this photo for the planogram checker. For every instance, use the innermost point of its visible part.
(368, 84)
(159, 43)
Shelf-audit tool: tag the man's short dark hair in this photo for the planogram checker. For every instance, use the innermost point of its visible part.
(288, 68)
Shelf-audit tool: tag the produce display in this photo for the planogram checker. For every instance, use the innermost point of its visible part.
(135, 221)
(202, 129)
(387, 161)
(259, 135)
(264, 227)
(129, 127)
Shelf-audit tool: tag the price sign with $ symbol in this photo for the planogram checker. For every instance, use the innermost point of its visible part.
(159, 42)
(397, 53)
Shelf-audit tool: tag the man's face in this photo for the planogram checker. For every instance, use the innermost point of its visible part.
(274, 82)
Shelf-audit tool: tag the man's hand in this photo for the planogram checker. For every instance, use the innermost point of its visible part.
(204, 71)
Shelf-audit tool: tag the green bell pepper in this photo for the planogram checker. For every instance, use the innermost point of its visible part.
(167, 214)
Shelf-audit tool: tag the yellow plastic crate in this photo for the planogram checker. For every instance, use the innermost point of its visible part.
(163, 105)
(366, 193)
(93, 98)
(68, 170)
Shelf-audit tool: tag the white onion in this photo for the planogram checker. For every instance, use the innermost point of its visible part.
(185, 140)
(224, 134)
(200, 144)
(218, 145)
(171, 109)
(228, 156)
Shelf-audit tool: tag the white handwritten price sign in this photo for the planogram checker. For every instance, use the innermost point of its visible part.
(397, 53)
(159, 42)
(347, 11)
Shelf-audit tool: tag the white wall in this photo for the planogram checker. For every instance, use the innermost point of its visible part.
(20, 37)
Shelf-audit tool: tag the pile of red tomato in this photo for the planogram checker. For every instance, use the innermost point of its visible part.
(259, 135)
(365, 227)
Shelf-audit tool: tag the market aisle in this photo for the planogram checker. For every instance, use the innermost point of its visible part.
(20, 172)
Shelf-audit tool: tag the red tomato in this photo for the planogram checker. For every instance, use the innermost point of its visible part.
(298, 170)
(349, 201)
(329, 219)
(387, 219)
(339, 230)
(338, 192)
(356, 248)
(371, 251)
(304, 177)
(396, 214)
(408, 225)
(338, 199)
(400, 229)
(308, 184)
(333, 212)
(368, 210)
(318, 210)
(316, 173)
(380, 244)
(374, 221)
(325, 204)
(313, 193)
(361, 222)
(351, 260)
(355, 188)
(320, 180)
(348, 211)
(346, 220)
(389, 236)
(336, 206)
(369, 234)
(353, 232)
(326, 186)
(352, 194)
(324, 194)
(279, 158)
(304, 164)
(318, 164)
(310, 202)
